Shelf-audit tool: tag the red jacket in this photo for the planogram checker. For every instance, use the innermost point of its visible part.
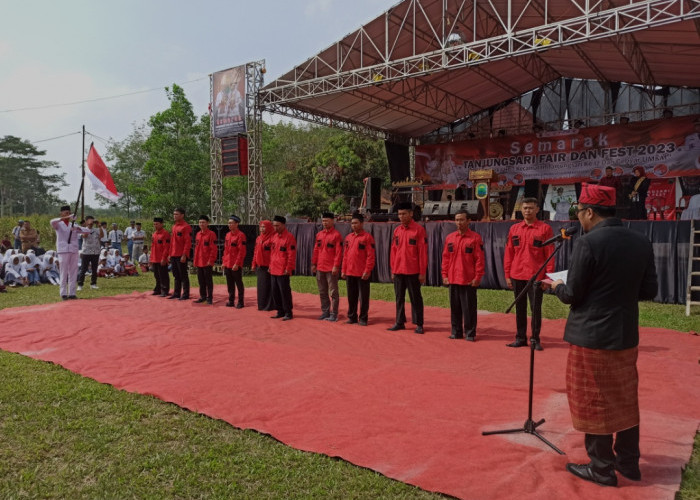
(181, 240)
(524, 254)
(463, 258)
(328, 250)
(263, 248)
(205, 251)
(160, 246)
(284, 253)
(234, 249)
(358, 256)
(409, 250)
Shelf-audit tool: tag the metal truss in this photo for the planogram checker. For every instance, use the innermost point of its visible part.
(216, 172)
(496, 36)
(256, 187)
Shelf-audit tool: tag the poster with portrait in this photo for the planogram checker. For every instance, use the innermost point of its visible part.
(229, 107)
(559, 200)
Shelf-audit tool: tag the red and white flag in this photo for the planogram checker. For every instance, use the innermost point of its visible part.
(100, 177)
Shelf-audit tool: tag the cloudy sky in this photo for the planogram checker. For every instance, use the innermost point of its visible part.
(59, 59)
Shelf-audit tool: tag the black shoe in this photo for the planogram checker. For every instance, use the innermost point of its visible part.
(456, 336)
(419, 329)
(174, 297)
(184, 297)
(72, 297)
(536, 345)
(471, 338)
(278, 315)
(239, 306)
(633, 474)
(210, 301)
(323, 316)
(584, 471)
(200, 300)
(332, 318)
(396, 327)
(229, 304)
(287, 317)
(64, 297)
(163, 295)
(155, 293)
(351, 322)
(518, 343)
(362, 323)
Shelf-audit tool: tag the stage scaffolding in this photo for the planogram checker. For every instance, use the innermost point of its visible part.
(256, 192)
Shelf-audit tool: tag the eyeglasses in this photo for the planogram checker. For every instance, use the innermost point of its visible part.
(579, 210)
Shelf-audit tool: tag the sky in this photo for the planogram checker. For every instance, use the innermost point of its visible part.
(56, 53)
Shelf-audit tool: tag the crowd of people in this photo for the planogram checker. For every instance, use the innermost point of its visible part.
(25, 263)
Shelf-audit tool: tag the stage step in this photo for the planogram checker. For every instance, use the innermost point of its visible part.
(693, 268)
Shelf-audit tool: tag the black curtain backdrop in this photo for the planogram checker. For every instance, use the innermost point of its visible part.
(670, 239)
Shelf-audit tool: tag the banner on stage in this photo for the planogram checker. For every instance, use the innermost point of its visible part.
(665, 148)
(229, 107)
(661, 199)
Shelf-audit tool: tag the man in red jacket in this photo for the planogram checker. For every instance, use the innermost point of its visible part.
(160, 252)
(234, 254)
(325, 264)
(358, 262)
(205, 253)
(180, 247)
(408, 262)
(462, 270)
(524, 255)
(282, 264)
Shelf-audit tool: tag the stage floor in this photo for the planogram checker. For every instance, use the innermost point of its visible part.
(411, 407)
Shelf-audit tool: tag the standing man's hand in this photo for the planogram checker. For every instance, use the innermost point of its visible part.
(335, 271)
(183, 259)
(421, 278)
(313, 269)
(509, 283)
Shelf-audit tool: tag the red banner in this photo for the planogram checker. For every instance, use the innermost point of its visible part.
(665, 148)
(229, 107)
(661, 199)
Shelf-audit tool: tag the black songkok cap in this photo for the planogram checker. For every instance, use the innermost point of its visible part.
(65, 207)
(328, 215)
(234, 218)
(158, 219)
(203, 217)
(404, 205)
(358, 216)
(279, 218)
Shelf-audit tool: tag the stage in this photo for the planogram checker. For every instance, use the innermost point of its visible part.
(411, 407)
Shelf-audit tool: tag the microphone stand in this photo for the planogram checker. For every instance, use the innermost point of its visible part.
(530, 426)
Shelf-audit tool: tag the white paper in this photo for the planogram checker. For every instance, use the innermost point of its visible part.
(561, 275)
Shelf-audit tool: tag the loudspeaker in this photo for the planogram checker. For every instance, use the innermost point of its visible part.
(433, 210)
(374, 194)
(472, 207)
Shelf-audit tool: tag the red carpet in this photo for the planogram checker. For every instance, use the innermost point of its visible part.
(409, 406)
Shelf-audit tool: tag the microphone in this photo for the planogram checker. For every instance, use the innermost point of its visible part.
(564, 234)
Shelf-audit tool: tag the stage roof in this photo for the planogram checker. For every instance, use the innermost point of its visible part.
(424, 64)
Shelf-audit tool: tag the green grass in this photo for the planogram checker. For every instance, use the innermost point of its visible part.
(65, 436)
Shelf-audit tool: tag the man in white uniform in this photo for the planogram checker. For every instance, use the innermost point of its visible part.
(67, 250)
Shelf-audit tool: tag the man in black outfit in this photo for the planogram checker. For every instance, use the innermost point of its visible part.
(612, 268)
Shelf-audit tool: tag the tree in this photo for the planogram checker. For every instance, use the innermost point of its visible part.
(176, 173)
(25, 187)
(128, 158)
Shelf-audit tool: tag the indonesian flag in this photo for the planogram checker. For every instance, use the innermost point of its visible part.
(100, 177)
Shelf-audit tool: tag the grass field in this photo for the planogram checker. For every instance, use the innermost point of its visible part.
(65, 436)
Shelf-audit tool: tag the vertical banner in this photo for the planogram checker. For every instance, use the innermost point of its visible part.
(229, 106)
(661, 199)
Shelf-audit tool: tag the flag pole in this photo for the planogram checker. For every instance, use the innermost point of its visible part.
(82, 181)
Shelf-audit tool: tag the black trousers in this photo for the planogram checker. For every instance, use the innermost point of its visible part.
(282, 294)
(534, 295)
(182, 279)
(234, 280)
(92, 261)
(463, 310)
(410, 282)
(206, 282)
(160, 273)
(357, 288)
(602, 451)
(265, 302)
